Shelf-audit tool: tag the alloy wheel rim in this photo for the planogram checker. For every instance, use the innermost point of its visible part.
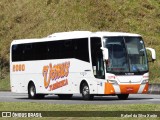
(32, 91)
(85, 90)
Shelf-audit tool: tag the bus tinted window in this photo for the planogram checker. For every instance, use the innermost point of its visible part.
(75, 48)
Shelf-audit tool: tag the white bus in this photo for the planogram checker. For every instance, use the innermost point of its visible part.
(90, 63)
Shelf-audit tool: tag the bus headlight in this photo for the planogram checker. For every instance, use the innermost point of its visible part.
(113, 82)
(144, 81)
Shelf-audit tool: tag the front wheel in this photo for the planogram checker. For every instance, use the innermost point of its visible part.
(123, 96)
(32, 93)
(85, 92)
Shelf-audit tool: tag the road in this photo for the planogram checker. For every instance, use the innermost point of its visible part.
(77, 99)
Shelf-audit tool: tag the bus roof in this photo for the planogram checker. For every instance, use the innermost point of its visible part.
(72, 35)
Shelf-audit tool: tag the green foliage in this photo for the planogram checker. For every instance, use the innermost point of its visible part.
(32, 106)
(5, 83)
(31, 19)
(37, 106)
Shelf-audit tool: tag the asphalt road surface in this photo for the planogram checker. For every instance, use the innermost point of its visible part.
(77, 99)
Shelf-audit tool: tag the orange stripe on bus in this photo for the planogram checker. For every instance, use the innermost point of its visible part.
(129, 88)
(109, 89)
(145, 90)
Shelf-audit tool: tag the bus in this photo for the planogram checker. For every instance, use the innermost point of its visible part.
(80, 62)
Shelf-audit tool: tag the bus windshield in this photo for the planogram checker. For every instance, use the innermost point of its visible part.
(126, 55)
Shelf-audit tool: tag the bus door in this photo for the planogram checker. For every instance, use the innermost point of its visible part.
(98, 64)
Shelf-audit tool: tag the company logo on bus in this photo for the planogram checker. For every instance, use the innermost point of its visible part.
(57, 74)
(129, 73)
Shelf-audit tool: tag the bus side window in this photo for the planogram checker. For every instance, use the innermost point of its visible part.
(28, 54)
(18, 52)
(97, 58)
(81, 49)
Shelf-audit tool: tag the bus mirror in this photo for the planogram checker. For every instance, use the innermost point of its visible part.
(105, 53)
(153, 53)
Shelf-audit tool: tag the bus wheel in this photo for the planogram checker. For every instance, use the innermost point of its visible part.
(32, 91)
(65, 96)
(123, 96)
(85, 92)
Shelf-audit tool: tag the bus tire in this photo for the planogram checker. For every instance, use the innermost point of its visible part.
(85, 92)
(65, 96)
(32, 92)
(123, 96)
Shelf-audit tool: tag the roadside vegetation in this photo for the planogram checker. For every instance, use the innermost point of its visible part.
(34, 19)
(25, 106)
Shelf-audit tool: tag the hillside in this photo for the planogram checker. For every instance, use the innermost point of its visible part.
(39, 18)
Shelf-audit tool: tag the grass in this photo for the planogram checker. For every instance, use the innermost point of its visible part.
(5, 84)
(4, 106)
(33, 19)
(24, 106)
